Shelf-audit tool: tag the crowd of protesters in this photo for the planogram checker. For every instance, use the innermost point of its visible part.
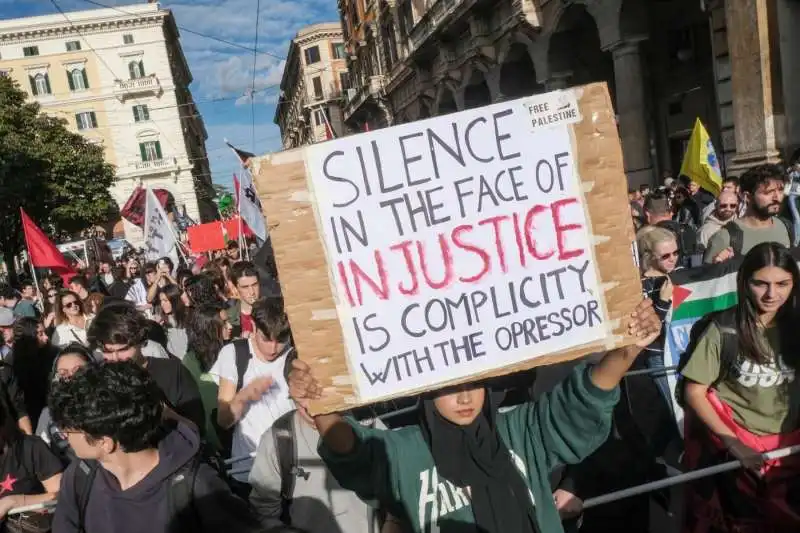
(163, 397)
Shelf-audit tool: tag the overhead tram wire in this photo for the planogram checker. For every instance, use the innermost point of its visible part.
(103, 61)
(198, 33)
(253, 85)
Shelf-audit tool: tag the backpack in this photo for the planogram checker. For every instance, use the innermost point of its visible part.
(726, 323)
(737, 236)
(283, 433)
(180, 494)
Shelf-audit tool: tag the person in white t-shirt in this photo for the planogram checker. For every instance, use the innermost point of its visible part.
(253, 392)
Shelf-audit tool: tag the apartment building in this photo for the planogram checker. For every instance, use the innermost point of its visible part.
(731, 63)
(314, 84)
(119, 77)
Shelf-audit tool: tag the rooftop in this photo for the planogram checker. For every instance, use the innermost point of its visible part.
(57, 20)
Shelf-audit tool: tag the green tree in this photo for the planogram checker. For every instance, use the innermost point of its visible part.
(57, 176)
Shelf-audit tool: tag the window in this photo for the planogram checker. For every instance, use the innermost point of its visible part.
(150, 150)
(77, 79)
(312, 55)
(40, 84)
(317, 82)
(136, 69)
(30, 51)
(86, 121)
(338, 51)
(141, 113)
(127, 38)
(73, 46)
(344, 80)
(320, 116)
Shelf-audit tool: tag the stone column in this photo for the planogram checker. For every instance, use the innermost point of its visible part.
(632, 113)
(751, 79)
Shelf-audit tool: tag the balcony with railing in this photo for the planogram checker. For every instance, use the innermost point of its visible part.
(135, 168)
(430, 21)
(356, 96)
(130, 88)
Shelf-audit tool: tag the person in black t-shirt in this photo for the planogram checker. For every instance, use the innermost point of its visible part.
(120, 332)
(29, 472)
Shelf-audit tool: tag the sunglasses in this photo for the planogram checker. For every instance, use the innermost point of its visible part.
(730, 206)
(669, 255)
(52, 294)
(69, 305)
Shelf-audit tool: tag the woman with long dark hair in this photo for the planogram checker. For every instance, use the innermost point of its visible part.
(30, 362)
(172, 315)
(207, 330)
(744, 400)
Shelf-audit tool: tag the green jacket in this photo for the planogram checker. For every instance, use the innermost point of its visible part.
(396, 467)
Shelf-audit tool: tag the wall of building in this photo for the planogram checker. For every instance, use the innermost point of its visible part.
(106, 57)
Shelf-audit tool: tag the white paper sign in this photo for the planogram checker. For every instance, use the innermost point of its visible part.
(159, 239)
(457, 244)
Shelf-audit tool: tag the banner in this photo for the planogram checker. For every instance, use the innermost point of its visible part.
(250, 206)
(41, 250)
(159, 238)
(455, 248)
(700, 163)
(696, 293)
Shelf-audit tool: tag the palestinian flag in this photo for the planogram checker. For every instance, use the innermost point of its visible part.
(696, 293)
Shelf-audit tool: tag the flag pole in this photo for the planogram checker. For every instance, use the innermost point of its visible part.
(30, 261)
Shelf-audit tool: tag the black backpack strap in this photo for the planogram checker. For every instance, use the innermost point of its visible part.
(729, 348)
(737, 237)
(286, 449)
(85, 474)
(243, 355)
(180, 498)
(789, 230)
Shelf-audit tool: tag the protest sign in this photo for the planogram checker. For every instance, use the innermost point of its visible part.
(159, 239)
(456, 248)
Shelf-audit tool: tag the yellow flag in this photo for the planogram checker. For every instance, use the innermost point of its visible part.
(700, 162)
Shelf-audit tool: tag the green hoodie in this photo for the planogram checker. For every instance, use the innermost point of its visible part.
(396, 467)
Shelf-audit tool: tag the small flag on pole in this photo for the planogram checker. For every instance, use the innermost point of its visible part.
(244, 157)
(42, 252)
(329, 133)
(700, 163)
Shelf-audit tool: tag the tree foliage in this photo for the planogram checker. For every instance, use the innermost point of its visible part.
(57, 176)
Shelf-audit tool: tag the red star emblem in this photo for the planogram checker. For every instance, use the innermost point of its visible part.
(7, 484)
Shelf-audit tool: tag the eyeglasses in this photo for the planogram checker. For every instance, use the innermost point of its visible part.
(69, 305)
(52, 294)
(669, 255)
(729, 206)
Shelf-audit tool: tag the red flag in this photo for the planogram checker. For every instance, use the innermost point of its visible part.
(42, 252)
(135, 206)
(366, 127)
(236, 189)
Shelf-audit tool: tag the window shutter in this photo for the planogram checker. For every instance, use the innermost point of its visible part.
(85, 79)
(141, 67)
(47, 83)
(131, 70)
(94, 119)
(69, 80)
(33, 85)
(136, 113)
(145, 113)
(143, 151)
(158, 149)
(78, 121)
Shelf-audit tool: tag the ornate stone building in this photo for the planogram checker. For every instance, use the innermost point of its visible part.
(666, 62)
(313, 86)
(120, 79)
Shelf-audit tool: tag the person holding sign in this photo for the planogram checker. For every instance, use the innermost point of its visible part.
(466, 463)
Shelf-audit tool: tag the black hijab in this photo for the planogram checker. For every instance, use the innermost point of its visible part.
(474, 456)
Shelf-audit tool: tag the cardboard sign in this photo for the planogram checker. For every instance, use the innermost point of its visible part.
(456, 248)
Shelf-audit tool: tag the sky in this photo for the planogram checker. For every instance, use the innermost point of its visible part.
(223, 72)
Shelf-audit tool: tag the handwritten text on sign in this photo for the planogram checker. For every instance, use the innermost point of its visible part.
(458, 244)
